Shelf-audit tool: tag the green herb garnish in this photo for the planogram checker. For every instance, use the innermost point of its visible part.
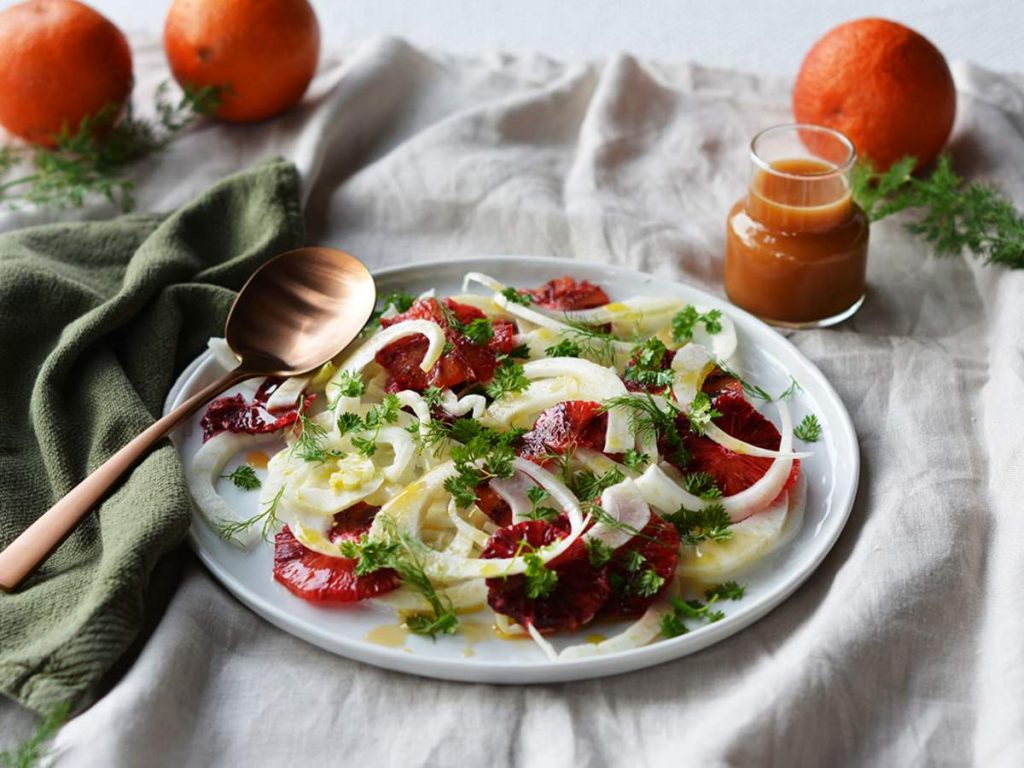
(514, 296)
(509, 378)
(809, 429)
(244, 477)
(712, 523)
(702, 412)
(952, 216)
(684, 322)
(540, 580)
(564, 348)
(87, 161)
(267, 519)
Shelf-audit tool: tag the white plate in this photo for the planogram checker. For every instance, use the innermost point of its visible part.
(765, 356)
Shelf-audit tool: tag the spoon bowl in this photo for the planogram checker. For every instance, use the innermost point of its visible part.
(299, 310)
(295, 313)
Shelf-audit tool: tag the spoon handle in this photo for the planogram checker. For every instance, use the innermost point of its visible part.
(25, 553)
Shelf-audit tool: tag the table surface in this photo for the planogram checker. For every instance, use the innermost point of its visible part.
(765, 37)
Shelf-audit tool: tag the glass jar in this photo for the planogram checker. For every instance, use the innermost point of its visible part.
(796, 243)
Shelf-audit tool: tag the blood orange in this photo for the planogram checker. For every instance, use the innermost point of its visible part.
(580, 592)
(321, 578)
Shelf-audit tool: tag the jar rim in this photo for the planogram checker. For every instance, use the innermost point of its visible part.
(841, 168)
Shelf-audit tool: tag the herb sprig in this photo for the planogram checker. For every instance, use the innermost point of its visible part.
(244, 477)
(398, 552)
(951, 215)
(88, 159)
(674, 624)
(267, 520)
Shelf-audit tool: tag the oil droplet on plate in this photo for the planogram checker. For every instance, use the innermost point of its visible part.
(595, 639)
(476, 631)
(468, 652)
(388, 635)
(257, 460)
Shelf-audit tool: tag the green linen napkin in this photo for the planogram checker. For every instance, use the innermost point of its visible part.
(96, 320)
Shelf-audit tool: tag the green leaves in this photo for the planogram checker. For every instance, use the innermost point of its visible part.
(540, 580)
(484, 454)
(702, 412)
(479, 331)
(87, 160)
(244, 477)
(696, 525)
(645, 367)
(951, 215)
(674, 623)
(509, 377)
(564, 348)
(396, 551)
(809, 429)
(685, 322)
(515, 297)
(267, 520)
(588, 486)
(538, 512)
(702, 484)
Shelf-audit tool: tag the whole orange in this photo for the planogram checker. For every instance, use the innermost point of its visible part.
(62, 61)
(262, 52)
(883, 85)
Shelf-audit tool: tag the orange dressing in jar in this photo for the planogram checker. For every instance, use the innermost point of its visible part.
(796, 244)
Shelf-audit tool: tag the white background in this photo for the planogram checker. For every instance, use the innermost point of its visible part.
(764, 36)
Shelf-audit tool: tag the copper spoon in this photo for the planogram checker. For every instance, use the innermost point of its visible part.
(297, 311)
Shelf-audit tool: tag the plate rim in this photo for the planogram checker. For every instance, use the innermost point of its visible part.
(544, 670)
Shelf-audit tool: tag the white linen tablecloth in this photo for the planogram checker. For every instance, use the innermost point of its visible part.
(903, 648)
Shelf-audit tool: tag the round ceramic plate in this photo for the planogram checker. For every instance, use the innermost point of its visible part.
(478, 655)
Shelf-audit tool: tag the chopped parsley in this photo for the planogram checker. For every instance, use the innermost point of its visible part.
(702, 412)
(564, 348)
(537, 512)
(599, 552)
(509, 377)
(540, 580)
(349, 384)
(809, 429)
(712, 523)
(398, 552)
(684, 323)
(515, 297)
(519, 351)
(634, 560)
(645, 367)
(375, 420)
(479, 331)
(673, 623)
(484, 454)
(648, 583)
(634, 459)
(244, 477)
(588, 486)
(703, 485)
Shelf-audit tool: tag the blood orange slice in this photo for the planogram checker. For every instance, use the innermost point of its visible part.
(633, 588)
(580, 592)
(566, 425)
(321, 578)
(568, 294)
(465, 361)
(734, 472)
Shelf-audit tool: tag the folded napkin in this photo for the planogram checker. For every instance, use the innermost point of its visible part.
(96, 320)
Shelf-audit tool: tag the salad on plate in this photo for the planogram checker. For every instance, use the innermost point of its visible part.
(544, 454)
